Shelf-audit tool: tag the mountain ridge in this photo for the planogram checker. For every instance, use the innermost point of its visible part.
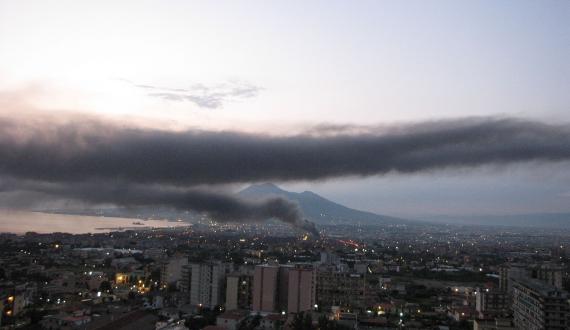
(529, 220)
(317, 208)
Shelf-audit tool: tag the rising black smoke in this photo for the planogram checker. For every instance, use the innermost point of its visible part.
(80, 152)
(221, 207)
(71, 152)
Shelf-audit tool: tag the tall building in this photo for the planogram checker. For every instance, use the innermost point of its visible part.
(283, 285)
(329, 258)
(265, 288)
(186, 279)
(491, 303)
(207, 283)
(538, 305)
(343, 288)
(171, 270)
(279, 288)
(551, 274)
(301, 289)
(503, 277)
(493, 324)
(239, 291)
(516, 271)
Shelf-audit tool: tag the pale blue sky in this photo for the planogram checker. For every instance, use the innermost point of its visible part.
(362, 62)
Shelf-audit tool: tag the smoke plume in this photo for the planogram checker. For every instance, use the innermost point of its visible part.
(221, 207)
(165, 165)
(73, 152)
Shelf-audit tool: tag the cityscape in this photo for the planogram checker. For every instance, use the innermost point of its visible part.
(212, 276)
(284, 165)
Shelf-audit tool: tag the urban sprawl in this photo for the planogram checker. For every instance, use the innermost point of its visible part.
(240, 277)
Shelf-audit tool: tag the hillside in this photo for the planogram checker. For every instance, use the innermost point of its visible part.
(317, 208)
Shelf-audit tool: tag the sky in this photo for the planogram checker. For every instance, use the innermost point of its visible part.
(278, 67)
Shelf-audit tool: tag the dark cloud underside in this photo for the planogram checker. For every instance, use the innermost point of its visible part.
(77, 152)
(98, 162)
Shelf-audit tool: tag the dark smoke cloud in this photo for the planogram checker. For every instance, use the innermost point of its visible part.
(153, 167)
(75, 152)
(221, 207)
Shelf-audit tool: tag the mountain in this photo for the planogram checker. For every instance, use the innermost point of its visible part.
(542, 220)
(318, 209)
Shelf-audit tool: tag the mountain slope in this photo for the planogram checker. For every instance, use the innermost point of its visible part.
(541, 220)
(318, 209)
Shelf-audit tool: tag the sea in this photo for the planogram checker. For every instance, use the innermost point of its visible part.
(20, 222)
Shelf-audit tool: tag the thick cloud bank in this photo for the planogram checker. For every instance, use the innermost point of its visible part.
(73, 152)
(222, 207)
(64, 156)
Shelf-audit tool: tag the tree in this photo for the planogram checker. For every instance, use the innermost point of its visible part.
(256, 321)
(323, 322)
(105, 286)
(196, 323)
(326, 324)
(307, 322)
(302, 321)
(250, 323)
(297, 322)
(36, 315)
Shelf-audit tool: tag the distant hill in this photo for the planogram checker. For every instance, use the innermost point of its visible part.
(314, 207)
(318, 209)
(542, 220)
